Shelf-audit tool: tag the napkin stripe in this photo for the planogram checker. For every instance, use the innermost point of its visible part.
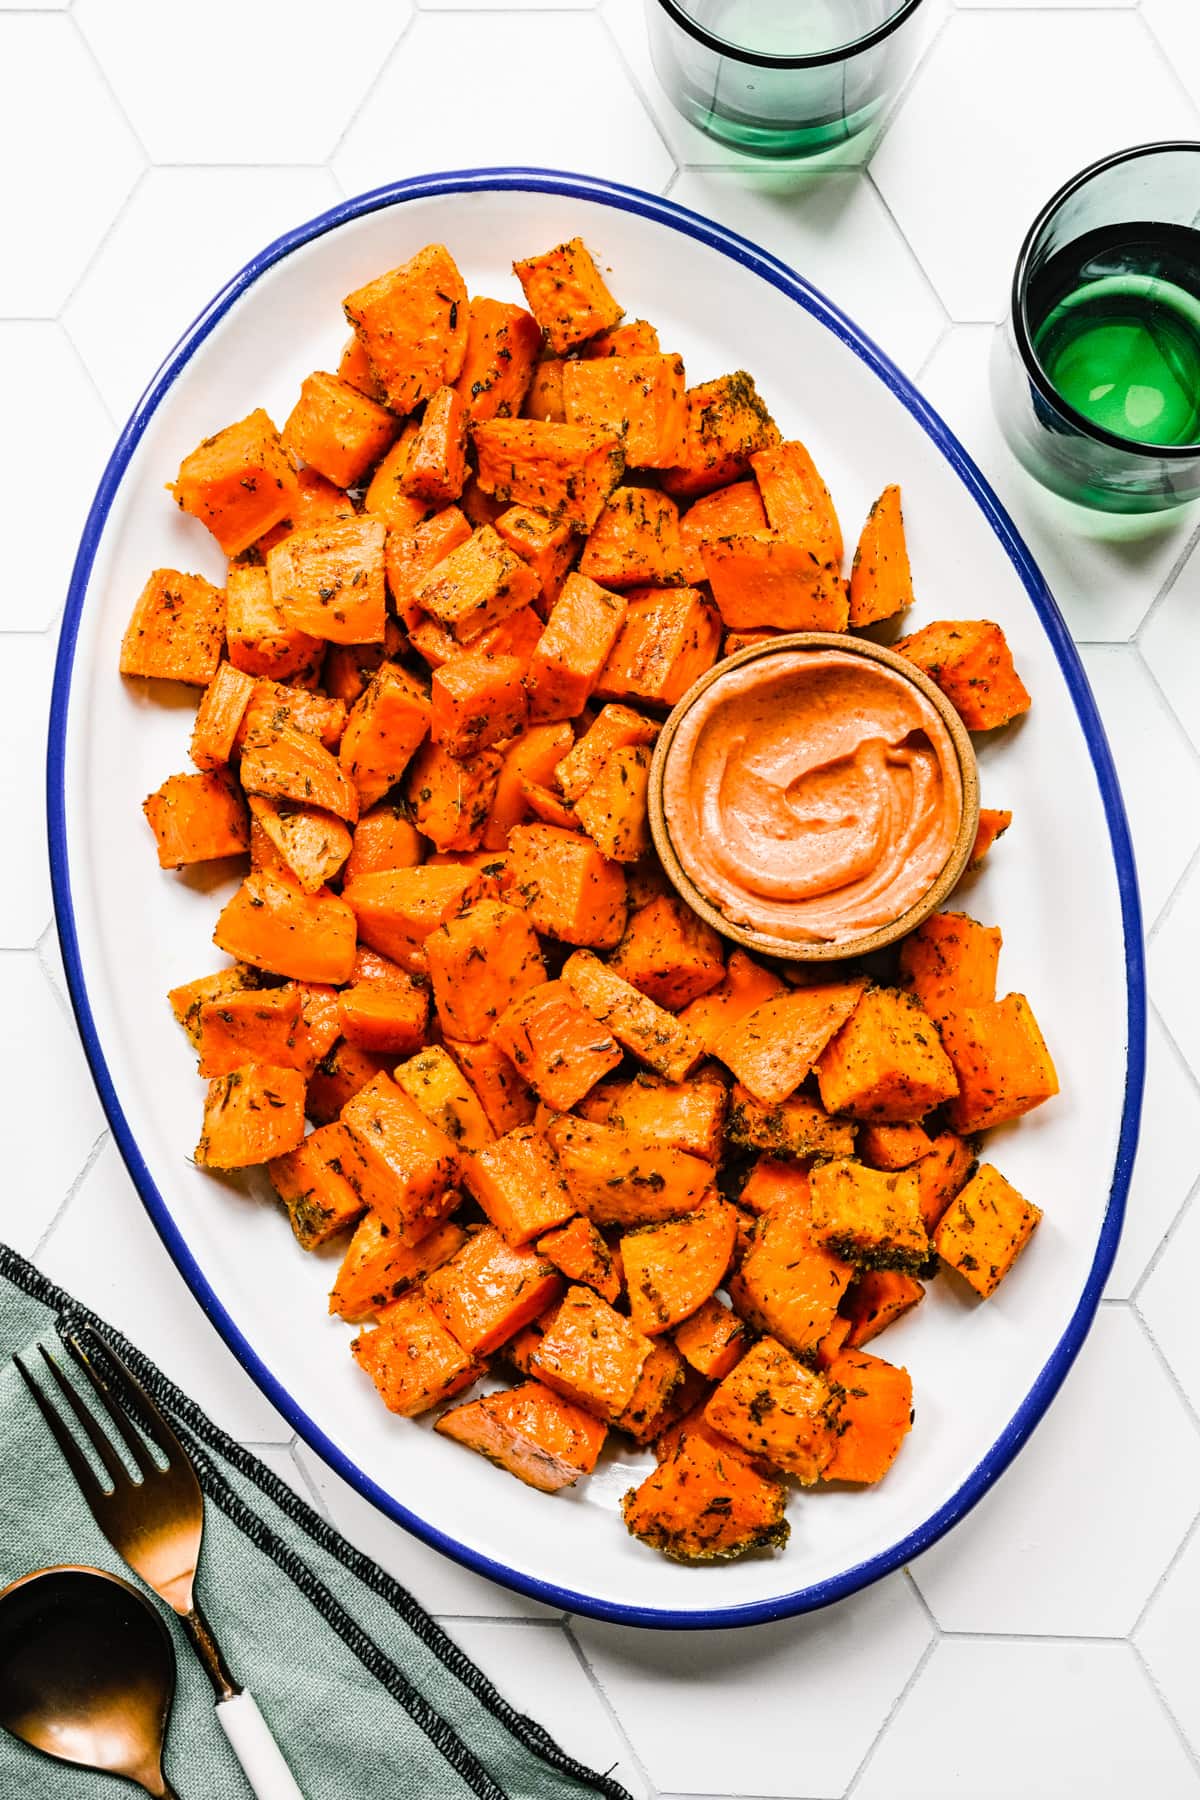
(201, 1431)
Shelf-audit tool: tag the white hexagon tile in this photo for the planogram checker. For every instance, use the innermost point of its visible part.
(995, 1667)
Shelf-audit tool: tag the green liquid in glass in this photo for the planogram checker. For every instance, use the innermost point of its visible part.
(1119, 333)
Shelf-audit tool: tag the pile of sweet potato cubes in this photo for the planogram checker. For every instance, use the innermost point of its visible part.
(663, 1189)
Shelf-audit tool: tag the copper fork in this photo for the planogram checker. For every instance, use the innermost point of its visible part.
(155, 1521)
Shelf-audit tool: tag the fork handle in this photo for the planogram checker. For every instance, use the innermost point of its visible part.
(251, 1742)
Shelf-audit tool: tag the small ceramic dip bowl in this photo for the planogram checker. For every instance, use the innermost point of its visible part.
(814, 797)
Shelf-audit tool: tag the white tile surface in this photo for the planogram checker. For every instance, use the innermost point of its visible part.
(992, 1721)
(1026, 1559)
(25, 907)
(1168, 1302)
(1174, 965)
(1167, 1638)
(1176, 25)
(797, 1734)
(1170, 643)
(965, 176)
(547, 89)
(1168, 1159)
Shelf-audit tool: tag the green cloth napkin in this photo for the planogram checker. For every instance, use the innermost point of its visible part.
(366, 1695)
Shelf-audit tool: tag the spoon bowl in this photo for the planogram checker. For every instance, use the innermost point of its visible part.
(87, 1672)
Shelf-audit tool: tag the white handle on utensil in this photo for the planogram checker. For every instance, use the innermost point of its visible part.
(260, 1756)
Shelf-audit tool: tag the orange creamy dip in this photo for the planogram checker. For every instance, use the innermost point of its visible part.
(812, 795)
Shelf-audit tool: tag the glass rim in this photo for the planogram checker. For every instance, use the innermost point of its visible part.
(763, 59)
(1020, 319)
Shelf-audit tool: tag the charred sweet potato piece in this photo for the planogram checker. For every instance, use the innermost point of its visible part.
(893, 1146)
(763, 578)
(239, 483)
(704, 1504)
(731, 511)
(506, 1099)
(177, 629)
(434, 1082)
(396, 909)
(949, 962)
(574, 646)
(727, 422)
(614, 728)
(713, 1340)
(985, 1229)
(413, 323)
(272, 923)
(535, 1434)
(993, 823)
(579, 1252)
(437, 465)
(881, 578)
(558, 1046)
(674, 1267)
(788, 1286)
(257, 1025)
(544, 399)
(591, 1354)
(548, 547)
(886, 1062)
(565, 471)
(219, 717)
(488, 1291)
(311, 845)
(196, 818)
(328, 581)
(341, 1073)
(618, 1179)
(533, 756)
(772, 1049)
(570, 890)
(876, 1416)
(971, 662)
(516, 1181)
(875, 1299)
(311, 1184)
(403, 1164)
(743, 986)
(287, 764)
(480, 961)
(337, 430)
(477, 585)
(942, 1174)
(638, 1023)
(412, 1358)
(614, 808)
(641, 399)
(502, 346)
(772, 1406)
(476, 700)
(378, 1267)
(868, 1216)
(796, 500)
(796, 1127)
(670, 637)
(251, 1115)
(669, 953)
(567, 295)
(1001, 1061)
(674, 1115)
(259, 639)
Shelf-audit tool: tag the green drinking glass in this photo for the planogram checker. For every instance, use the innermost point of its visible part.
(1095, 374)
(782, 77)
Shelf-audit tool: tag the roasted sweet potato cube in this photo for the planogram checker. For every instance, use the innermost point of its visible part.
(795, 1127)
(985, 1229)
(403, 1164)
(389, 1016)
(190, 997)
(727, 421)
(579, 1252)
(713, 1340)
(729, 512)
(260, 641)
(272, 923)
(635, 338)
(437, 465)
(670, 637)
(868, 1216)
(396, 909)
(674, 1115)
(219, 717)
(413, 552)
(876, 1416)
(558, 1046)
(316, 1031)
(565, 471)
(875, 1299)
(516, 1181)
(636, 541)
(591, 1354)
(544, 399)
(533, 756)
(535, 1434)
(337, 430)
(489, 1291)
(480, 961)
(196, 818)
(740, 987)
(251, 1115)
(387, 498)
(641, 399)
(704, 1504)
(993, 823)
(311, 1184)
(638, 1023)
(311, 845)
(1000, 1058)
(412, 323)
(378, 1267)
(451, 795)
(574, 646)
(614, 728)
(796, 500)
(502, 346)
(544, 805)
(507, 1100)
(328, 580)
(773, 1406)
(789, 1286)
(477, 585)
(238, 483)
(771, 1181)
(354, 367)
(340, 1073)
(548, 547)
(476, 699)
(971, 662)
(772, 1049)
(257, 1025)
(567, 295)
(570, 890)
(412, 1358)
(942, 1174)
(177, 629)
(886, 1062)
(286, 764)
(674, 1267)
(949, 962)
(614, 808)
(881, 578)
(660, 1387)
(762, 578)
(384, 838)
(616, 1178)
(274, 706)
(316, 500)
(893, 1146)
(669, 953)
(434, 1082)
(746, 640)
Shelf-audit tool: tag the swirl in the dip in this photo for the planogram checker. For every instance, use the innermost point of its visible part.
(812, 795)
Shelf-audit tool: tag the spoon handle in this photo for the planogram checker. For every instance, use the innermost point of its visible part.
(260, 1756)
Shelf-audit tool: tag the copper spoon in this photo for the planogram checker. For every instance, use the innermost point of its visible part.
(87, 1673)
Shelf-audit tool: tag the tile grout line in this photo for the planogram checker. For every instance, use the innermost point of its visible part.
(893, 1713)
(1163, 1245)
(1168, 62)
(1168, 905)
(315, 1497)
(1164, 700)
(60, 1212)
(608, 1706)
(1168, 582)
(1168, 1367)
(1149, 1676)
(368, 94)
(1176, 1557)
(143, 176)
(110, 90)
(601, 16)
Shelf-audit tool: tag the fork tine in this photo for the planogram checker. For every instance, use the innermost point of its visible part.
(76, 1461)
(132, 1397)
(99, 1440)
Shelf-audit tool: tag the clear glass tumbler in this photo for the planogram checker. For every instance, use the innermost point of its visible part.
(781, 77)
(1095, 373)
